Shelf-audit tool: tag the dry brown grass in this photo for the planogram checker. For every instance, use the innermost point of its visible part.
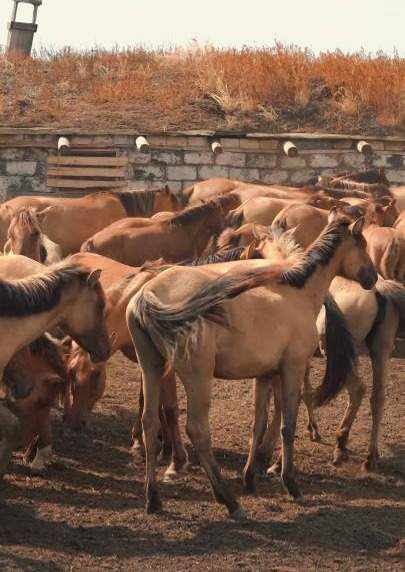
(282, 88)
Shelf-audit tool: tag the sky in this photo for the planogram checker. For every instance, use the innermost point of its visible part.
(321, 25)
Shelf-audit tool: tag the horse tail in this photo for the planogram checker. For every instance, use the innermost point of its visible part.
(394, 292)
(171, 324)
(340, 352)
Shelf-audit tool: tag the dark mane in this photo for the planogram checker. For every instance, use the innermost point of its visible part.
(228, 256)
(319, 253)
(137, 202)
(39, 293)
(192, 214)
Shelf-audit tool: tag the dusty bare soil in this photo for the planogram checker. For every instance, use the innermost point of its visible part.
(86, 513)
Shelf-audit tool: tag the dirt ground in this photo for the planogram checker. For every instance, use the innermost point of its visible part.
(87, 513)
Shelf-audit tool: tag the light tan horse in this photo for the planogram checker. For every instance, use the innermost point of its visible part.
(177, 320)
(87, 380)
(24, 236)
(71, 221)
(263, 210)
(183, 236)
(212, 188)
(374, 318)
(66, 295)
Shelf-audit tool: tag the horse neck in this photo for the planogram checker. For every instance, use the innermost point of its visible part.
(29, 328)
(319, 282)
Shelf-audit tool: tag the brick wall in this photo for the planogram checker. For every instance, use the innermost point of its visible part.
(185, 158)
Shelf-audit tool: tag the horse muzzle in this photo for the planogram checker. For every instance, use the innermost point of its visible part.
(368, 278)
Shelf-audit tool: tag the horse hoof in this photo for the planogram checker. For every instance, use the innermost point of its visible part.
(154, 505)
(172, 474)
(340, 457)
(138, 449)
(370, 465)
(238, 514)
(249, 482)
(274, 469)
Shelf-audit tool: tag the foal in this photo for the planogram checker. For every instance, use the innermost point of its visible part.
(177, 321)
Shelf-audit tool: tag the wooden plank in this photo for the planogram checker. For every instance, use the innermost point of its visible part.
(96, 161)
(84, 184)
(87, 172)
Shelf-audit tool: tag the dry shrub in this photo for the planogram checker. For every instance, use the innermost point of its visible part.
(271, 88)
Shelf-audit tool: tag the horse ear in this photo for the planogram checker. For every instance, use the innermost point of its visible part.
(41, 215)
(333, 214)
(94, 277)
(167, 190)
(249, 251)
(358, 226)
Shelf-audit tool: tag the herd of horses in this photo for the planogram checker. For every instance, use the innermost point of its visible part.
(230, 280)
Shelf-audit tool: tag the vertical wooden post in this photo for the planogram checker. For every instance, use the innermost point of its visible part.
(21, 34)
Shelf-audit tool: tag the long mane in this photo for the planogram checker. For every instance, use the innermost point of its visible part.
(38, 293)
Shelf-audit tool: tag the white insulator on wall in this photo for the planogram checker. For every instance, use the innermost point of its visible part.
(290, 149)
(63, 145)
(216, 148)
(364, 147)
(142, 144)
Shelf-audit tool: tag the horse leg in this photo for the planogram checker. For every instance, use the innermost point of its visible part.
(380, 347)
(198, 404)
(356, 390)
(171, 412)
(261, 398)
(152, 364)
(137, 441)
(273, 434)
(43, 454)
(292, 378)
(11, 436)
(312, 425)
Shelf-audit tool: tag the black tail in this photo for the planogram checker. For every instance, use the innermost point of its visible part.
(341, 353)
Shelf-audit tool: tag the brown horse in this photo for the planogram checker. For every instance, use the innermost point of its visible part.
(86, 380)
(183, 236)
(25, 237)
(35, 377)
(177, 320)
(71, 221)
(66, 295)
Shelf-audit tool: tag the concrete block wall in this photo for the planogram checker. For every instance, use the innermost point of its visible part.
(182, 159)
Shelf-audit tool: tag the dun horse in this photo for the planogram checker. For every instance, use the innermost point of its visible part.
(71, 221)
(263, 335)
(67, 295)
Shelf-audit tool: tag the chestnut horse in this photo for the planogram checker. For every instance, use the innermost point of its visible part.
(71, 221)
(25, 237)
(86, 380)
(67, 295)
(183, 236)
(34, 378)
(177, 321)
